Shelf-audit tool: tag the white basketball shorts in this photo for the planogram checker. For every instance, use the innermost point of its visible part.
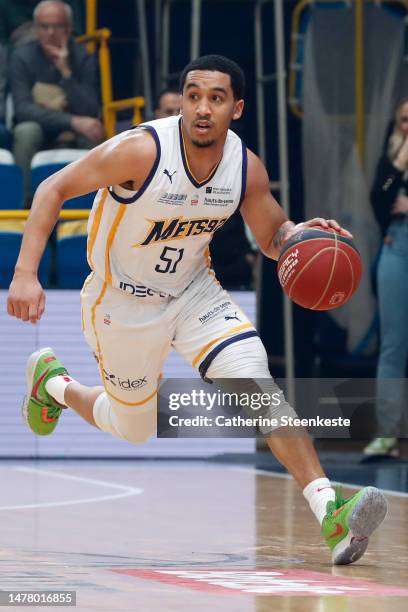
(131, 332)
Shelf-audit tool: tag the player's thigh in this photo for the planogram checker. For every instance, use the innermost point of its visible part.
(129, 340)
(211, 322)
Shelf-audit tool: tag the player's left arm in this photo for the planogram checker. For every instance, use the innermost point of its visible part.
(265, 218)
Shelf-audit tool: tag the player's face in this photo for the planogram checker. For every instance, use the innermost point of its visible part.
(208, 106)
(402, 118)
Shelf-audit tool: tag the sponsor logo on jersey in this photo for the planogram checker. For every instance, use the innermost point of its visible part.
(107, 319)
(165, 230)
(225, 191)
(140, 290)
(231, 317)
(127, 384)
(217, 202)
(214, 312)
(170, 176)
(195, 199)
(172, 198)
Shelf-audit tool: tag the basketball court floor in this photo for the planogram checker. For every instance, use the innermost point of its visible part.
(186, 535)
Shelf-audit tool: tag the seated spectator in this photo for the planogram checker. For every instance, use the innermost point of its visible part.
(5, 136)
(389, 197)
(16, 21)
(54, 83)
(168, 104)
(232, 257)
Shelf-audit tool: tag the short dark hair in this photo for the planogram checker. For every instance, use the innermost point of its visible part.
(218, 63)
(163, 92)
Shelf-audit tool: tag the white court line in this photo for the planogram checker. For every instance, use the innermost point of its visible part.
(126, 490)
(335, 482)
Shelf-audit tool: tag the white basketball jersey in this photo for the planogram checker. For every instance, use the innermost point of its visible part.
(156, 239)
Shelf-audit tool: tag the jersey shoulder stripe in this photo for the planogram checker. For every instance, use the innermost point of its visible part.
(150, 176)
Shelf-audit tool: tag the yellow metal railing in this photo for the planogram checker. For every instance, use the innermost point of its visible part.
(74, 213)
(97, 40)
(294, 102)
(91, 23)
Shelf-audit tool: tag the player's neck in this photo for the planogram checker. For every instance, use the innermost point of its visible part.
(202, 160)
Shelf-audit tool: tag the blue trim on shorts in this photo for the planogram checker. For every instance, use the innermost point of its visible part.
(150, 176)
(244, 174)
(205, 364)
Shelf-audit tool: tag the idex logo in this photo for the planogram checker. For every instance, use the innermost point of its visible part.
(126, 384)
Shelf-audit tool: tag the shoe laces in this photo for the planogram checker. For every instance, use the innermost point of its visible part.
(338, 501)
(53, 412)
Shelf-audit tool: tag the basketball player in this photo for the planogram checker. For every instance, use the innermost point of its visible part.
(164, 189)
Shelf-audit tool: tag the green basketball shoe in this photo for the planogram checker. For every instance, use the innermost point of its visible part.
(348, 523)
(41, 411)
(384, 447)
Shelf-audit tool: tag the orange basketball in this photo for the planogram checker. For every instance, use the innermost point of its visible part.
(319, 268)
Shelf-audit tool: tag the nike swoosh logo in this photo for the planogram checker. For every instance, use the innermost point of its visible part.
(321, 488)
(338, 531)
(38, 383)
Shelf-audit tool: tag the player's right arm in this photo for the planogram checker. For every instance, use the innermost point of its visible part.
(123, 158)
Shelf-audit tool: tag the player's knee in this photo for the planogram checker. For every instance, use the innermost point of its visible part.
(138, 436)
(247, 363)
(134, 426)
(243, 359)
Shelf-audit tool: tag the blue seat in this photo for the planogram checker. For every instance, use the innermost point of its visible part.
(10, 242)
(11, 181)
(46, 163)
(72, 265)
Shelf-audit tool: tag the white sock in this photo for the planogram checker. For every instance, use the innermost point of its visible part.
(318, 493)
(56, 387)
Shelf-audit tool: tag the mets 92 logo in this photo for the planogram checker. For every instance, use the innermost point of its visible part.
(165, 230)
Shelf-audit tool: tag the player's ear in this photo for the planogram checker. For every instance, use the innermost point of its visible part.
(238, 108)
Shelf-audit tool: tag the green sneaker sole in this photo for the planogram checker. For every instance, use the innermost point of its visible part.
(368, 513)
(47, 428)
(392, 451)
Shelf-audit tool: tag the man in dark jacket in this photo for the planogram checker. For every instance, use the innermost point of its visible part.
(54, 84)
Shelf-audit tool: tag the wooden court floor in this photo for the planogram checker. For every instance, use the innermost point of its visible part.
(157, 536)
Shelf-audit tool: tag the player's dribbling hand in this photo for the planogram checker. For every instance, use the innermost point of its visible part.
(324, 223)
(26, 298)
